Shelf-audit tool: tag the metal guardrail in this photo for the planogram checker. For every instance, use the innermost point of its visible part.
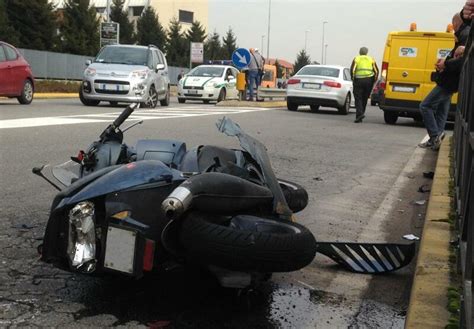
(464, 182)
(271, 93)
(60, 66)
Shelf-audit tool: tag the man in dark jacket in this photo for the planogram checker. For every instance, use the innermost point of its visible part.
(435, 107)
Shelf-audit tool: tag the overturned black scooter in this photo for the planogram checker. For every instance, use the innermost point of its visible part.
(129, 211)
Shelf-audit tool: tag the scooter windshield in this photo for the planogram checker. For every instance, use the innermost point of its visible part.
(66, 173)
(259, 153)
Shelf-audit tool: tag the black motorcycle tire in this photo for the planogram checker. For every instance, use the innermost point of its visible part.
(209, 243)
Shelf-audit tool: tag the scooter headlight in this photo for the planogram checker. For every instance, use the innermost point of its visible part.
(81, 243)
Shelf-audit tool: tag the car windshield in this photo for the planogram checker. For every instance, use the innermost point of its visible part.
(123, 55)
(319, 70)
(207, 71)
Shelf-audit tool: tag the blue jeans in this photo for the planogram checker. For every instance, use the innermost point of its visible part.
(253, 79)
(434, 109)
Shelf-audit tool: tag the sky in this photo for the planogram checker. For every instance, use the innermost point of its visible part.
(350, 25)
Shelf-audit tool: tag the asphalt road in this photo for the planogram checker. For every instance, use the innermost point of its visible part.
(362, 180)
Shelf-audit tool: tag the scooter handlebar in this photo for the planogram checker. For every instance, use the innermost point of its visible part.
(124, 115)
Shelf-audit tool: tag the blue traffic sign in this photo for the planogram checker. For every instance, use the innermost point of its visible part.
(241, 58)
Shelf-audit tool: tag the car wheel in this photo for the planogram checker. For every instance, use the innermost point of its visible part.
(344, 109)
(166, 101)
(152, 99)
(87, 102)
(390, 118)
(113, 103)
(291, 106)
(27, 92)
(181, 100)
(314, 108)
(206, 101)
(222, 95)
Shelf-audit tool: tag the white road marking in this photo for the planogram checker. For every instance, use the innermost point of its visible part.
(46, 121)
(141, 114)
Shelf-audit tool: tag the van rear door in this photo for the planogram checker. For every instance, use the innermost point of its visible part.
(406, 74)
(440, 47)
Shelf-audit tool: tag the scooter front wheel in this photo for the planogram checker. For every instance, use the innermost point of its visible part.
(247, 243)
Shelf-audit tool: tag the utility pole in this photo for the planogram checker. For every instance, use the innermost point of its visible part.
(108, 10)
(305, 40)
(322, 44)
(268, 33)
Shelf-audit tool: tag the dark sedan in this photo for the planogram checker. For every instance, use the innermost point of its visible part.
(376, 94)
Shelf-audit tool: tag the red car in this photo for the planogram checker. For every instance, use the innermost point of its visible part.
(16, 78)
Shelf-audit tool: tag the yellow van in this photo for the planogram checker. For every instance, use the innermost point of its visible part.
(408, 61)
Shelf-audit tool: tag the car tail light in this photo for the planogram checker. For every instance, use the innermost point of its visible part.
(148, 255)
(383, 81)
(332, 84)
(293, 81)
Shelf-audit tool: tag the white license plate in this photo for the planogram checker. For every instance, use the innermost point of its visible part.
(193, 92)
(312, 85)
(120, 250)
(111, 87)
(404, 89)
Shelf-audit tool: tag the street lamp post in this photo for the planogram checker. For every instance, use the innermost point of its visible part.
(261, 48)
(108, 10)
(322, 44)
(325, 53)
(305, 39)
(268, 32)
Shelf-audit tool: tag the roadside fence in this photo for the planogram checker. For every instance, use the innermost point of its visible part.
(60, 66)
(464, 182)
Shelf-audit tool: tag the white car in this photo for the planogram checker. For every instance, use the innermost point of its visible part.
(209, 83)
(320, 85)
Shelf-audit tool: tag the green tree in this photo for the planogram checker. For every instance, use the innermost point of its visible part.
(80, 28)
(213, 47)
(149, 29)
(229, 44)
(7, 32)
(278, 69)
(118, 15)
(196, 33)
(302, 59)
(176, 45)
(34, 21)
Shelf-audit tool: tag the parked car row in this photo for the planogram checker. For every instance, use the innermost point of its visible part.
(132, 73)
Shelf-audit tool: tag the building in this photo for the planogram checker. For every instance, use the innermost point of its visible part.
(186, 11)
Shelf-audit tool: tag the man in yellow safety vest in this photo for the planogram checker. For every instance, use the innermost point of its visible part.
(364, 73)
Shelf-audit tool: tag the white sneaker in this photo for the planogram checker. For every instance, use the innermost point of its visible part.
(426, 145)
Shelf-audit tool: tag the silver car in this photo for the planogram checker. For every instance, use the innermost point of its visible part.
(320, 85)
(126, 73)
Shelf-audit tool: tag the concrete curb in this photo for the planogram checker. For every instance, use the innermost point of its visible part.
(55, 95)
(428, 300)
